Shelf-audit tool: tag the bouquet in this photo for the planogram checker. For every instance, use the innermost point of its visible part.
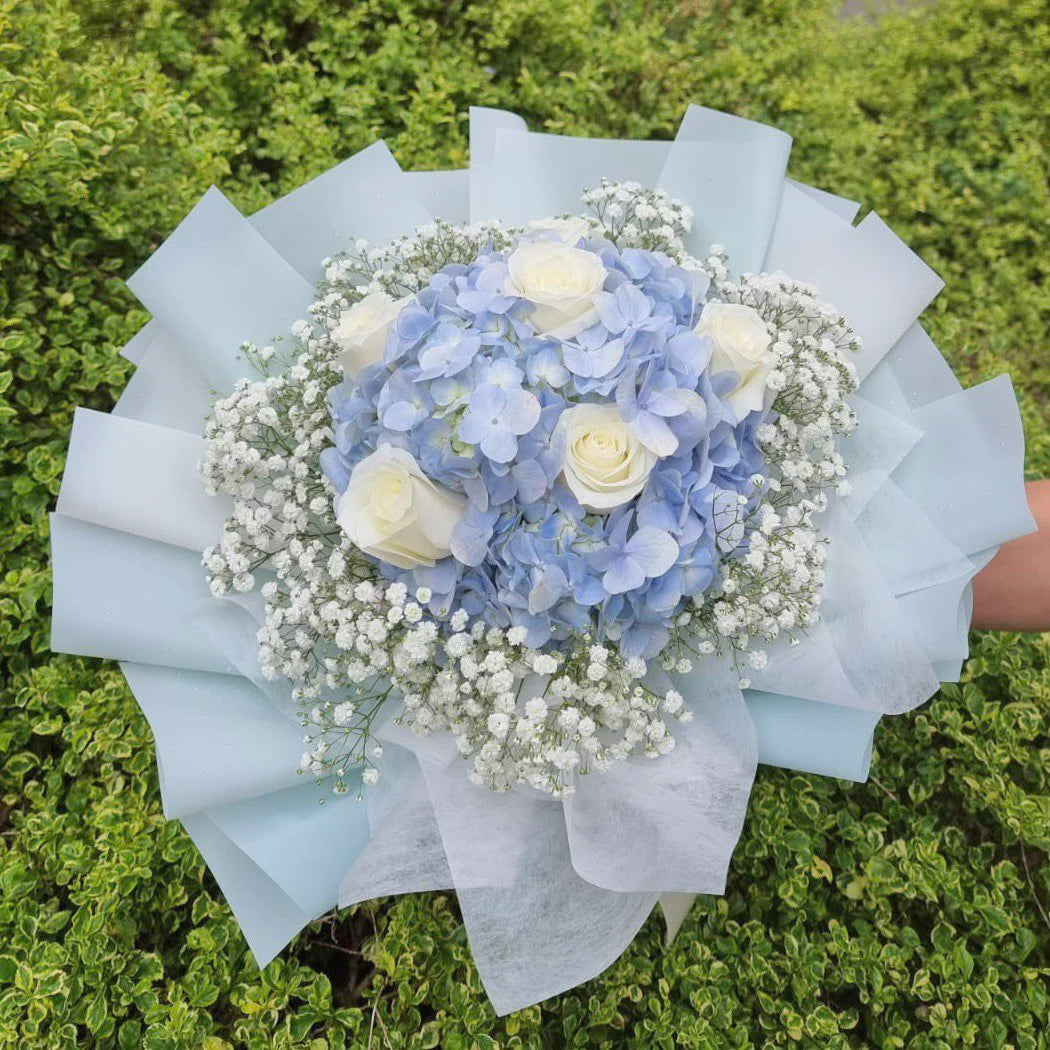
(483, 530)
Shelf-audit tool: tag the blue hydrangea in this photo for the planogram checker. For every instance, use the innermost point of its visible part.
(475, 393)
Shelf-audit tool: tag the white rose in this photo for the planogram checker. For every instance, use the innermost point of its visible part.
(605, 464)
(393, 511)
(569, 230)
(361, 330)
(559, 279)
(742, 345)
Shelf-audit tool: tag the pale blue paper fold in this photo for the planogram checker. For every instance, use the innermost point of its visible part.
(367, 196)
(121, 597)
(446, 194)
(730, 171)
(268, 918)
(939, 619)
(843, 207)
(909, 549)
(878, 445)
(804, 234)
(518, 176)
(215, 283)
(304, 845)
(484, 123)
(879, 284)
(135, 477)
(166, 388)
(882, 387)
(967, 473)
(136, 347)
(812, 737)
(231, 623)
(536, 175)
(950, 670)
(218, 739)
(760, 143)
(920, 370)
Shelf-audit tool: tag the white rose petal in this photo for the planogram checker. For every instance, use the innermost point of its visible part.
(605, 464)
(362, 330)
(559, 279)
(394, 512)
(742, 344)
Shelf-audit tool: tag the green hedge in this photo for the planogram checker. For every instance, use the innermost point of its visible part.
(910, 912)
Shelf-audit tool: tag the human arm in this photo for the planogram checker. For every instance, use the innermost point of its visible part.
(1012, 592)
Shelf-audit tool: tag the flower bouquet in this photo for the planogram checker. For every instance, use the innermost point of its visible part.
(577, 484)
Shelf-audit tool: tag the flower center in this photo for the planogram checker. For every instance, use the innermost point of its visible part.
(391, 496)
(602, 449)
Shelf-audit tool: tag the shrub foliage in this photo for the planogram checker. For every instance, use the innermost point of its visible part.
(909, 912)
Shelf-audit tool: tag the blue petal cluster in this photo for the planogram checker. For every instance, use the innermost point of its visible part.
(472, 390)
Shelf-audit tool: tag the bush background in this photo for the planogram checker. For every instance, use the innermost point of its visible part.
(909, 912)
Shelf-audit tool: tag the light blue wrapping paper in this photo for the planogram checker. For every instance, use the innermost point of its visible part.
(135, 348)
(730, 171)
(267, 916)
(939, 619)
(484, 123)
(232, 625)
(527, 175)
(812, 737)
(921, 374)
(550, 894)
(844, 208)
(880, 443)
(804, 234)
(534, 175)
(200, 723)
(967, 472)
(166, 388)
(910, 551)
(252, 800)
(121, 597)
(880, 285)
(135, 477)
(305, 847)
(367, 195)
(446, 194)
(215, 283)
(882, 387)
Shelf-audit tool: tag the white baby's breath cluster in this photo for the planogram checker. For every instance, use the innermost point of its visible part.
(360, 650)
(632, 216)
(538, 717)
(775, 586)
(521, 716)
(403, 266)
